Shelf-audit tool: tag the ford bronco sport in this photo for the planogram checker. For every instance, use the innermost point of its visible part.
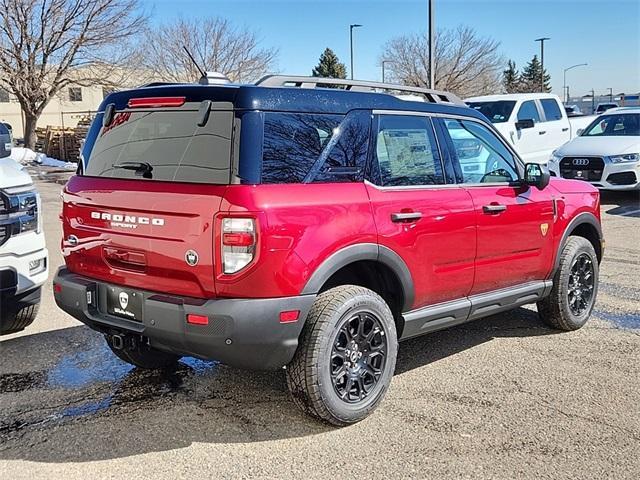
(284, 224)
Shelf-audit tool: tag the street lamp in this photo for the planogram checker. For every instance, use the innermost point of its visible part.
(565, 91)
(542, 40)
(351, 27)
(610, 94)
(383, 62)
(432, 61)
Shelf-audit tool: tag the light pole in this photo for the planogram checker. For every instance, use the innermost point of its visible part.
(565, 90)
(542, 40)
(383, 62)
(610, 94)
(432, 61)
(351, 27)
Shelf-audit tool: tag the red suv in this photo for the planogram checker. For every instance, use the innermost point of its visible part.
(288, 225)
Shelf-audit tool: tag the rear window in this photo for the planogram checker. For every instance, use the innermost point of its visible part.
(167, 144)
(3, 130)
(496, 112)
(299, 147)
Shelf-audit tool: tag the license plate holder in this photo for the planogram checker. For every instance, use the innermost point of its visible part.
(124, 303)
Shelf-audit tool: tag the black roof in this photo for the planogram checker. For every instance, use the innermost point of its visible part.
(287, 99)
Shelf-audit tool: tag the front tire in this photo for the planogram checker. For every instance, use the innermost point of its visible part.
(346, 357)
(575, 287)
(18, 314)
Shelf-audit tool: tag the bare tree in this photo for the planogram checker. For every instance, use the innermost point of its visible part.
(216, 45)
(46, 45)
(465, 63)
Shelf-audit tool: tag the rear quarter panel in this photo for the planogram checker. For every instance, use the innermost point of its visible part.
(299, 226)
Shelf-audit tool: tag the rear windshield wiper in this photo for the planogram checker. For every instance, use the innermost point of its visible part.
(141, 168)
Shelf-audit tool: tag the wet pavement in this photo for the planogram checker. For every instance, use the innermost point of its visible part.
(502, 397)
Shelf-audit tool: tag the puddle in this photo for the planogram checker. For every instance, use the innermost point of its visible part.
(88, 408)
(623, 320)
(87, 367)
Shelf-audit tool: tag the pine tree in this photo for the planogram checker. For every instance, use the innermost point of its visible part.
(511, 78)
(329, 66)
(532, 75)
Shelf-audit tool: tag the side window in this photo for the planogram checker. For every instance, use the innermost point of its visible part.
(406, 151)
(529, 111)
(293, 143)
(551, 109)
(483, 158)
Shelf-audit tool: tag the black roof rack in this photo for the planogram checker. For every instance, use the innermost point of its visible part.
(433, 96)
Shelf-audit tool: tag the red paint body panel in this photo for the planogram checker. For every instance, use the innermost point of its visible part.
(513, 248)
(453, 251)
(187, 210)
(300, 226)
(440, 248)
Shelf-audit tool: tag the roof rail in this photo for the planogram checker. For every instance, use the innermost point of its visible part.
(433, 96)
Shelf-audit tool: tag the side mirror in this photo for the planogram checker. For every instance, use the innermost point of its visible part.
(579, 131)
(536, 175)
(528, 123)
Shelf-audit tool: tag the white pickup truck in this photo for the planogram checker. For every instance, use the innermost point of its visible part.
(535, 123)
(23, 254)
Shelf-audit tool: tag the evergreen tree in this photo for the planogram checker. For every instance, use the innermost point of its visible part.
(511, 78)
(329, 66)
(532, 76)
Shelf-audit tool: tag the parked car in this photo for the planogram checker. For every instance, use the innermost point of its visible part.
(270, 226)
(534, 123)
(23, 254)
(606, 153)
(573, 111)
(603, 107)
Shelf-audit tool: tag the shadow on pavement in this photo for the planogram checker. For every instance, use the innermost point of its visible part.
(64, 397)
(621, 203)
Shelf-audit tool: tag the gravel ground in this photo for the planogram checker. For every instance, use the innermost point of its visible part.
(503, 397)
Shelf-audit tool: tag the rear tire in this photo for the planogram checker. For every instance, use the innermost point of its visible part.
(346, 356)
(144, 356)
(575, 287)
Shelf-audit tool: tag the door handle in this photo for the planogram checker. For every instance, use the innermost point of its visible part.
(565, 129)
(406, 216)
(494, 209)
(542, 132)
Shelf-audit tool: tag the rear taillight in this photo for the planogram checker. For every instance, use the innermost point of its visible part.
(238, 243)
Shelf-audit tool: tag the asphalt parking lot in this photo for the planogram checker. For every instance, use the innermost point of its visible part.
(503, 397)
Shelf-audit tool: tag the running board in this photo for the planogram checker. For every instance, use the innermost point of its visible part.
(448, 314)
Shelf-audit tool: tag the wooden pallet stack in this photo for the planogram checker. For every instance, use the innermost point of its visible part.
(63, 143)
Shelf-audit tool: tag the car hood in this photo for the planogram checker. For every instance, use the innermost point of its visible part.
(599, 146)
(12, 174)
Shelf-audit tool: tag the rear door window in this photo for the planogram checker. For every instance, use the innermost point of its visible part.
(407, 152)
(551, 109)
(170, 141)
(529, 111)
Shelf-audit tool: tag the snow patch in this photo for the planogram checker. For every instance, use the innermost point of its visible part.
(26, 156)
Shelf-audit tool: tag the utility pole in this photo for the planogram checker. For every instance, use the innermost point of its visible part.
(593, 101)
(383, 62)
(432, 60)
(564, 79)
(610, 94)
(542, 40)
(351, 27)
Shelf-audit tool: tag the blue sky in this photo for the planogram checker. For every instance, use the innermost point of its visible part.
(603, 33)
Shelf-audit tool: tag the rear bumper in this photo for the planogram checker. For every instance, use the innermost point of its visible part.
(245, 333)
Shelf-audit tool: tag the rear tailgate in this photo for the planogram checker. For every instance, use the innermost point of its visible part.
(154, 174)
(140, 235)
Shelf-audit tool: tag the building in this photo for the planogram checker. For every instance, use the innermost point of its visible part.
(65, 109)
